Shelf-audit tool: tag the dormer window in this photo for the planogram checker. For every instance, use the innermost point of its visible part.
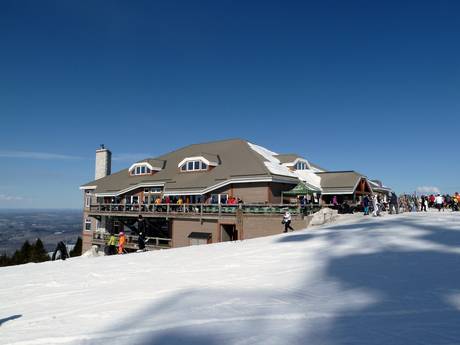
(194, 166)
(301, 166)
(143, 168)
(198, 163)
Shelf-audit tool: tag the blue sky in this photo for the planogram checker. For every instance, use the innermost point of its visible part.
(363, 85)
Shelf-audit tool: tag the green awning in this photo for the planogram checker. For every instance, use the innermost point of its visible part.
(301, 189)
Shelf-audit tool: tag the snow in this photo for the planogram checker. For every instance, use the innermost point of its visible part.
(274, 165)
(389, 280)
(310, 177)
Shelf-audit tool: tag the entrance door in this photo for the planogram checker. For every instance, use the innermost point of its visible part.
(228, 232)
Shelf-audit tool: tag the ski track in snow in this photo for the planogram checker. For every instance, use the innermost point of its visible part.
(390, 280)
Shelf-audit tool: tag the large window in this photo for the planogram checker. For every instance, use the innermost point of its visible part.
(132, 199)
(194, 166)
(88, 224)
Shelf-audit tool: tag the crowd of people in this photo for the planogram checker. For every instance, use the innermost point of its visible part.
(422, 203)
(375, 204)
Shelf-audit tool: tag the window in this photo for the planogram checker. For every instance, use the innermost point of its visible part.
(132, 199)
(87, 224)
(87, 201)
(141, 169)
(194, 166)
(223, 198)
(199, 238)
(301, 166)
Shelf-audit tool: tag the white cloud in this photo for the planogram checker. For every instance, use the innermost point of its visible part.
(428, 190)
(5, 197)
(36, 155)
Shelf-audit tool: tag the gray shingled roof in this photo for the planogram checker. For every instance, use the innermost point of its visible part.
(339, 182)
(237, 161)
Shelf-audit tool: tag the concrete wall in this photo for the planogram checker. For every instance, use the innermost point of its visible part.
(181, 229)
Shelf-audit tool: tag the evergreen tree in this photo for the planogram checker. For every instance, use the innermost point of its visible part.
(39, 252)
(5, 260)
(26, 252)
(17, 258)
(76, 251)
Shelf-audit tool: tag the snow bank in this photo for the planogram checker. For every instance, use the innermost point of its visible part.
(93, 252)
(324, 216)
(389, 280)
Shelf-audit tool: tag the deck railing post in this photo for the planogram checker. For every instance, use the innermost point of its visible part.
(167, 209)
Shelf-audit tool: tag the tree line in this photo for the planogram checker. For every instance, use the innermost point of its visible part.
(34, 252)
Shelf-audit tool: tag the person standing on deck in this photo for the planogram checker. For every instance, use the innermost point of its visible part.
(287, 221)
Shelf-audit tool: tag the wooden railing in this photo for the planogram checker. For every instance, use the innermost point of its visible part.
(132, 240)
(205, 209)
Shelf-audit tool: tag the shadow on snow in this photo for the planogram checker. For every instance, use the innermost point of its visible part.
(9, 318)
(410, 301)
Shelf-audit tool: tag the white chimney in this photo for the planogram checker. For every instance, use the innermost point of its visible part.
(103, 162)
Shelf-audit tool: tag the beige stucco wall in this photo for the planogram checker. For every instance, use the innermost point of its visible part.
(249, 193)
(181, 229)
(258, 226)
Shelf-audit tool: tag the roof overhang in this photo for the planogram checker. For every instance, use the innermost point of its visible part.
(87, 187)
(130, 188)
(225, 183)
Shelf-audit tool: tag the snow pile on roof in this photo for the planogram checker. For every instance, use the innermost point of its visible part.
(275, 167)
(272, 163)
(309, 177)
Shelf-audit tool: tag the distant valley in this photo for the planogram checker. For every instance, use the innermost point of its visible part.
(51, 226)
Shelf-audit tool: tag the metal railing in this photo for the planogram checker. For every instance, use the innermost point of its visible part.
(205, 209)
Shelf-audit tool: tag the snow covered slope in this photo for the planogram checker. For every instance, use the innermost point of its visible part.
(392, 280)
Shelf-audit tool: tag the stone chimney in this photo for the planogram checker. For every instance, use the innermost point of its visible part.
(103, 162)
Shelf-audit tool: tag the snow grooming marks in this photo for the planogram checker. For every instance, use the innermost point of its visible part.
(391, 280)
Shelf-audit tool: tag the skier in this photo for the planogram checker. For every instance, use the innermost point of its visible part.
(141, 241)
(394, 203)
(439, 201)
(375, 204)
(287, 221)
(111, 245)
(366, 205)
(62, 250)
(121, 242)
(424, 203)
